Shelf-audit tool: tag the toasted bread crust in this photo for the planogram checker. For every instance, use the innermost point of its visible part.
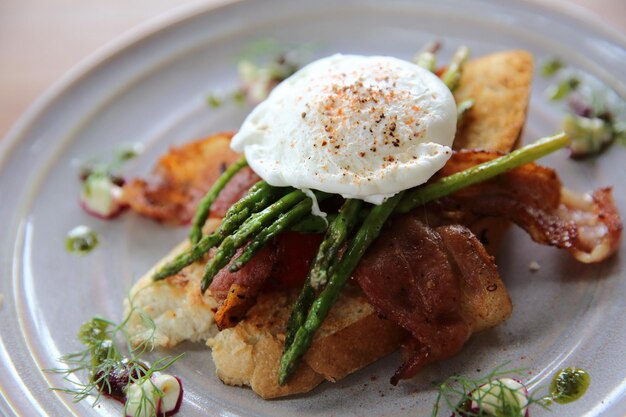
(245, 355)
(249, 353)
(332, 358)
(180, 179)
(176, 308)
(353, 335)
(500, 85)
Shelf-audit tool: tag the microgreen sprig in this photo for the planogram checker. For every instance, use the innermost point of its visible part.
(261, 66)
(595, 116)
(110, 169)
(455, 395)
(103, 368)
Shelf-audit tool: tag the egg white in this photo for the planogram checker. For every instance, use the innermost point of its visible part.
(365, 127)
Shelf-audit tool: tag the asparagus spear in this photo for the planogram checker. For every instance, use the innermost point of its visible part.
(249, 229)
(258, 197)
(202, 212)
(284, 222)
(191, 255)
(336, 236)
(298, 316)
(426, 60)
(370, 229)
(427, 57)
(462, 108)
(313, 224)
(321, 306)
(452, 74)
(482, 172)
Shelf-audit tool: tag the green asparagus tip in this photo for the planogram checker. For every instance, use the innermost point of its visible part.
(452, 74)
(204, 208)
(367, 233)
(426, 60)
(463, 107)
(482, 172)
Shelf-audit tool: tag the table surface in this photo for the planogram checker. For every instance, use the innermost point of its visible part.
(40, 40)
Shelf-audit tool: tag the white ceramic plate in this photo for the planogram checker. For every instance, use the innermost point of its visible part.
(151, 89)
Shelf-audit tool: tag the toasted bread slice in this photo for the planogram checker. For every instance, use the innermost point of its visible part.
(353, 335)
(332, 356)
(173, 310)
(500, 86)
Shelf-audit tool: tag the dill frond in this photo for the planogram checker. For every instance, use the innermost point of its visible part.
(105, 368)
(457, 393)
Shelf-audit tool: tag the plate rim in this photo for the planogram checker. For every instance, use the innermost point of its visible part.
(179, 14)
(109, 51)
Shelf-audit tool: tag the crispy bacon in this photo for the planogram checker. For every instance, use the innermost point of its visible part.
(236, 188)
(589, 227)
(439, 284)
(283, 264)
(237, 291)
(598, 223)
(295, 252)
(181, 178)
(251, 276)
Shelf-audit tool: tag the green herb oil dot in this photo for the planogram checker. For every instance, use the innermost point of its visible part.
(569, 384)
(81, 240)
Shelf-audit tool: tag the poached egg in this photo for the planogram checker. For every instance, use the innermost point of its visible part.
(365, 127)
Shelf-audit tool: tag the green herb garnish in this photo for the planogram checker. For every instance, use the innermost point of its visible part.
(261, 66)
(568, 385)
(81, 240)
(589, 135)
(458, 393)
(102, 367)
(239, 97)
(551, 67)
(492, 396)
(213, 101)
(110, 169)
(126, 153)
(563, 88)
(594, 119)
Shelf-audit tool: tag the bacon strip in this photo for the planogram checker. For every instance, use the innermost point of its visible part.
(183, 176)
(589, 227)
(237, 291)
(234, 190)
(284, 263)
(439, 284)
(597, 220)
